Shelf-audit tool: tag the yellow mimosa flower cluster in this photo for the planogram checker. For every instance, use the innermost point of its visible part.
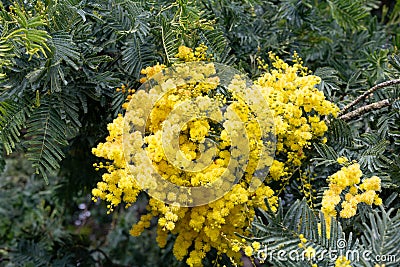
(347, 182)
(298, 109)
(186, 54)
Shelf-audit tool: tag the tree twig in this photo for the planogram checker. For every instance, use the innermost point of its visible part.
(365, 109)
(364, 95)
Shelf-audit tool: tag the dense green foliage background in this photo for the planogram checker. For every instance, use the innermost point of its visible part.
(61, 61)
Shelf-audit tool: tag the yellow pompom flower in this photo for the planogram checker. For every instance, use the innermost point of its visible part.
(342, 261)
(373, 183)
(256, 245)
(248, 251)
(342, 160)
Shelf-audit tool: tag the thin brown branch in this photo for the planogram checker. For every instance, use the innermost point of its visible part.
(367, 93)
(364, 109)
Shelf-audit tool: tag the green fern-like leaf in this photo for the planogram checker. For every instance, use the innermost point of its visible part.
(339, 135)
(46, 135)
(117, 101)
(394, 171)
(28, 34)
(12, 119)
(6, 54)
(217, 45)
(30, 253)
(372, 157)
(348, 14)
(395, 58)
(327, 153)
(381, 237)
(294, 11)
(72, 14)
(65, 49)
(136, 55)
(170, 39)
(330, 81)
(69, 111)
(128, 17)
